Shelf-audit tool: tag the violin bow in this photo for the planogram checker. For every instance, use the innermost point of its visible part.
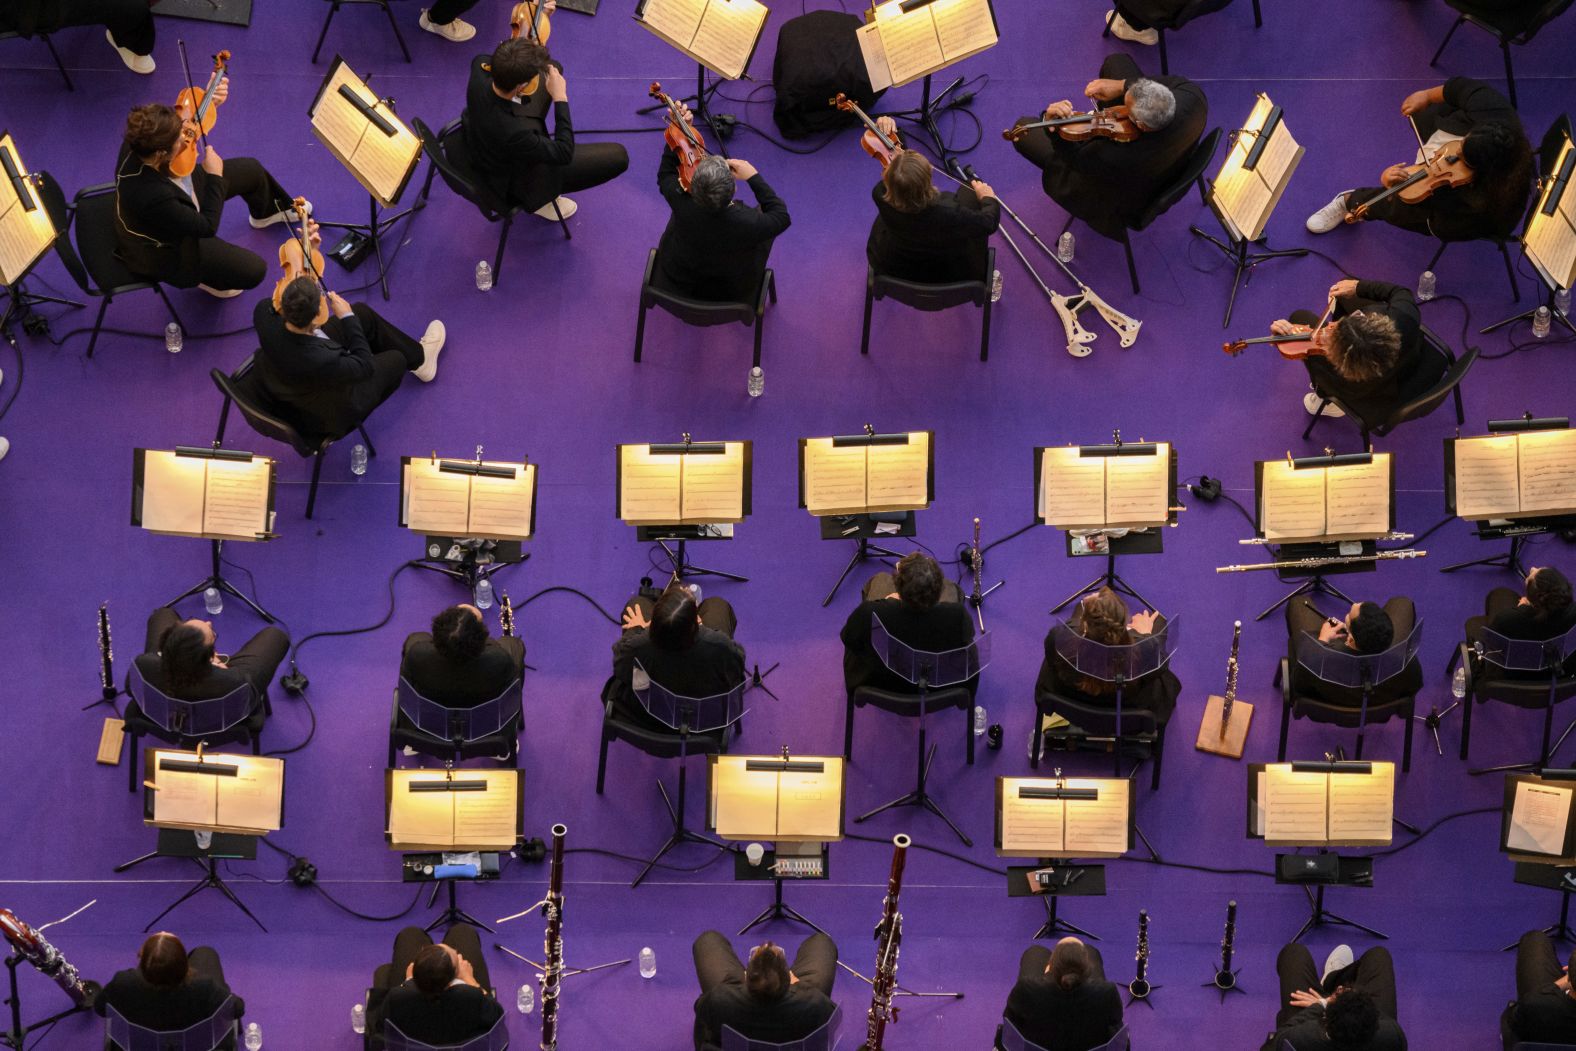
(1323, 320)
(192, 89)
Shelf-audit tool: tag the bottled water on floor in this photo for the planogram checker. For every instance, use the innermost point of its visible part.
(254, 1037)
(1458, 685)
(995, 286)
(648, 963)
(979, 719)
(172, 338)
(1540, 323)
(484, 276)
(757, 382)
(358, 1018)
(213, 602)
(1562, 302)
(484, 594)
(525, 999)
(1425, 286)
(1065, 246)
(358, 459)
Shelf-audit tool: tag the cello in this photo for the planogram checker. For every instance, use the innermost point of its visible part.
(196, 108)
(681, 137)
(879, 146)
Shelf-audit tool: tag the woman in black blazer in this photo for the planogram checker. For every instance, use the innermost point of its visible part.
(924, 234)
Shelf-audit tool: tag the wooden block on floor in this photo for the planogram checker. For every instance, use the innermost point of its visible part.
(109, 742)
(1228, 740)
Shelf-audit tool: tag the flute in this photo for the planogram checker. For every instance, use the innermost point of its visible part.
(1319, 562)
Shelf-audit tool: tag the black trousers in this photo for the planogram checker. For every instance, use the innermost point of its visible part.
(1036, 146)
(1537, 966)
(716, 963)
(461, 937)
(1373, 972)
(443, 12)
(715, 613)
(1036, 958)
(256, 661)
(220, 264)
(883, 584)
(394, 353)
(129, 21)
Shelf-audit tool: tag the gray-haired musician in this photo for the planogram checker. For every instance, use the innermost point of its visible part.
(766, 999)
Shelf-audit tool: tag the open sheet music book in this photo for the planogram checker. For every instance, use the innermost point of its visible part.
(719, 34)
(910, 39)
(24, 233)
(1064, 828)
(1520, 475)
(243, 794)
(1341, 502)
(802, 803)
(364, 134)
(688, 488)
(199, 496)
(1293, 808)
(1550, 240)
(1536, 824)
(1246, 196)
(861, 477)
(463, 809)
(436, 502)
(1090, 492)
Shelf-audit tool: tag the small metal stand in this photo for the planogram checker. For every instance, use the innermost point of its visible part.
(924, 115)
(1351, 872)
(453, 913)
(977, 596)
(1510, 560)
(16, 1036)
(864, 552)
(1314, 585)
(215, 579)
(372, 233)
(19, 309)
(1108, 579)
(920, 796)
(900, 991)
(568, 972)
(178, 843)
(778, 909)
(1431, 722)
(681, 833)
(1553, 878)
(683, 568)
(1244, 259)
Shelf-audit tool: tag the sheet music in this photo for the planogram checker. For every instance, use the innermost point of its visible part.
(1291, 502)
(486, 819)
(899, 475)
(1357, 498)
(675, 19)
(24, 235)
(963, 27)
(909, 40)
(1138, 488)
(1097, 827)
(1296, 805)
(727, 33)
(648, 485)
(1539, 819)
(809, 804)
(380, 162)
(182, 798)
(1551, 239)
(420, 818)
(713, 485)
(1487, 477)
(874, 54)
(834, 477)
(236, 503)
(1072, 488)
(501, 507)
(744, 801)
(1548, 471)
(172, 492)
(1246, 198)
(436, 502)
(251, 799)
(1032, 827)
(1362, 805)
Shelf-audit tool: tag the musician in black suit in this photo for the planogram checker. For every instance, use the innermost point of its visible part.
(922, 234)
(1462, 116)
(458, 664)
(1544, 612)
(505, 133)
(1109, 184)
(919, 607)
(1350, 1008)
(1545, 1007)
(167, 227)
(437, 994)
(1135, 20)
(1370, 352)
(684, 647)
(128, 24)
(328, 373)
(178, 658)
(1368, 628)
(765, 999)
(1062, 1000)
(169, 989)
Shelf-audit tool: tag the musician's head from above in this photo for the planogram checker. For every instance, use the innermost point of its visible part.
(303, 306)
(162, 960)
(1150, 104)
(435, 969)
(676, 619)
(1495, 149)
(1363, 345)
(1069, 966)
(1548, 591)
(459, 634)
(185, 653)
(766, 975)
(1368, 628)
(712, 184)
(1103, 617)
(514, 64)
(919, 581)
(1351, 1019)
(153, 132)
(908, 181)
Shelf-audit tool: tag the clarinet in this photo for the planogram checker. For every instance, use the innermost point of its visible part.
(106, 655)
(1139, 986)
(31, 946)
(506, 617)
(889, 935)
(553, 941)
(1231, 678)
(974, 561)
(1225, 977)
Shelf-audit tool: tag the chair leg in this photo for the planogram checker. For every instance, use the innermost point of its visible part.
(1132, 267)
(503, 239)
(1548, 730)
(426, 187)
(311, 494)
(61, 65)
(361, 429)
(1258, 16)
(1280, 755)
(1406, 747)
(332, 11)
(601, 765)
(561, 220)
(1159, 749)
(1461, 416)
(392, 752)
(864, 336)
(760, 333)
(640, 330)
(224, 419)
(1037, 739)
(1368, 444)
(1510, 271)
(985, 328)
(1466, 726)
(1435, 261)
(395, 26)
(1108, 20)
(1316, 418)
(1510, 74)
(131, 762)
(968, 728)
(848, 732)
(1165, 61)
(169, 306)
(98, 323)
(1454, 26)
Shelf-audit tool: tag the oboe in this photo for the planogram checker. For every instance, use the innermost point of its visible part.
(505, 616)
(1317, 563)
(553, 941)
(976, 565)
(108, 692)
(1139, 986)
(31, 946)
(1225, 977)
(1230, 697)
(889, 936)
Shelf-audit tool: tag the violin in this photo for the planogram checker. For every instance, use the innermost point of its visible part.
(1293, 346)
(882, 147)
(299, 257)
(681, 137)
(1113, 122)
(1444, 168)
(198, 114)
(530, 20)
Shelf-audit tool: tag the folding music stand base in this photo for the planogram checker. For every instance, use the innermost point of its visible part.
(1510, 560)
(212, 879)
(681, 834)
(467, 573)
(215, 580)
(1314, 585)
(899, 990)
(920, 797)
(925, 115)
(1536, 764)
(1054, 925)
(1526, 315)
(1561, 931)
(567, 972)
(1109, 579)
(778, 910)
(1244, 260)
(19, 308)
(372, 232)
(864, 552)
(16, 1036)
(1321, 917)
(453, 913)
(683, 567)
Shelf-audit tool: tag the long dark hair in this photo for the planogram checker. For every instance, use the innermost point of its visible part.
(1070, 965)
(1102, 617)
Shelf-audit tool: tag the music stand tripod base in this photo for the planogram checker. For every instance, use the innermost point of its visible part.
(920, 796)
(453, 913)
(1314, 585)
(215, 580)
(1109, 579)
(176, 843)
(900, 990)
(16, 1036)
(683, 568)
(863, 552)
(925, 115)
(779, 910)
(567, 972)
(1321, 917)
(359, 239)
(1244, 260)
(681, 834)
(1510, 560)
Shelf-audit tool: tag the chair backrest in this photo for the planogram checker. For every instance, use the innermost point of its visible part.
(190, 718)
(1550, 11)
(495, 1039)
(1348, 668)
(1435, 396)
(687, 714)
(1012, 1040)
(1122, 662)
(934, 669)
(1197, 161)
(1525, 654)
(237, 390)
(459, 176)
(459, 724)
(825, 1038)
(61, 215)
(203, 1036)
(94, 219)
(923, 296)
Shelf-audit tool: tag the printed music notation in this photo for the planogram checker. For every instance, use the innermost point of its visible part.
(381, 163)
(1246, 197)
(662, 488)
(784, 806)
(1550, 240)
(1539, 820)
(1086, 492)
(201, 497)
(1080, 828)
(1342, 502)
(486, 818)
(900, 46)
(247, 802)
(719, 34)
(865, 478)
(24, 234)
(1318, 808)
(1513, 475)
(448, 503)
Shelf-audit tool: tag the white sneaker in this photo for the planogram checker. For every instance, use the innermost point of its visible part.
(5, 447)
(1311, 400)
(1340, 958)
(431, 344)
(136, 63)
(458, 30)
(288, 215)
(1330, 216)
(1122, 31)
(565, 205)
(222, 293)
(409, 751)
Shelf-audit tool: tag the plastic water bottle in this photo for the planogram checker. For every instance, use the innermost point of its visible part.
(1458, 685)
(358, 459)
(1425, 286)
(172, 338)
(757, 382)
(254, 1037)
(995, 286)
(358, 1018)
(1065, 245)
(484, 594)
(648, 963)
(212, 601)
(979, 720)
(1562, 302)
(1540, 323)
(525, 999)
(484, 276)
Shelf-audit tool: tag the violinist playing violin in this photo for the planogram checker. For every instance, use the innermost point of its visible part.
(1109, 183)
(505, 131)
(167, 225)
(924, 234)
(1366, 351)
(1465, 120)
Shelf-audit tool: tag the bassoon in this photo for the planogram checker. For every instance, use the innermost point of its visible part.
(889, 936)
(553, 943)
(31, 946)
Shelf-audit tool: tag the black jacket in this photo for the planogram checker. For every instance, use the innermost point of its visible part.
(945, 626)
(1403, 617)
(509, 147)
(461, 685)
(715, 255)
(1156, 692)
(1060, 1019)
(324, 387)
(143, 1004)
(1482, 208)
(157, 226)
(1414, 372)
(1306, 1033)
(713, 665)
(944, 242)
(1547, 1016)
(216, 683)
(801, 1011)
(459, 1013)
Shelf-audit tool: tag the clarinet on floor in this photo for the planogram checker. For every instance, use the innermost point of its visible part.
(1231, 678)
(505, 615)
(553, 942)
(106, 656)
(1139, 986)
(889, 936)
(31, 946)
(974, 563)
(1225, 977)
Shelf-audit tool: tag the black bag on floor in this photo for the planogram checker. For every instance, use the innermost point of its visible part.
(818, 56)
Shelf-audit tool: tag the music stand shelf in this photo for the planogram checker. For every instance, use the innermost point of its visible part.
(744, 872)
(1350, 872)
(180, 843)
(1091, 884)
(414, 869)
(862, 530)
(1550, 877)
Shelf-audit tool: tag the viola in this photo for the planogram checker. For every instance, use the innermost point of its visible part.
(530, 20)
(198, 114)
(681, 137)
(1113, 122)
(1444, 168)
(882, 147)
(300, 257)
(1293, 346)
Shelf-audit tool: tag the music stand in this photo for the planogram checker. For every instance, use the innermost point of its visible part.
(860, 482)
(1516, 483)
(1254, 174)
(1115, 491)
(1549, 239)
(472, 514)
(1121, 666)
(796, 802)
(1293, 804)
(719, 35)
(1537, 833)
(682, 491)
(26, 232)
(1529, 656)
(1054, 819)
(364, 134)
(452, 811)
(206, 493)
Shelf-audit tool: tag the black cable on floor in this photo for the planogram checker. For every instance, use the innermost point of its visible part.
(1419, 837)
(251, 582)
(722, 851)
(917, 845)
(364, 916)
(16, 387)
(311, 730)
(573, 591)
